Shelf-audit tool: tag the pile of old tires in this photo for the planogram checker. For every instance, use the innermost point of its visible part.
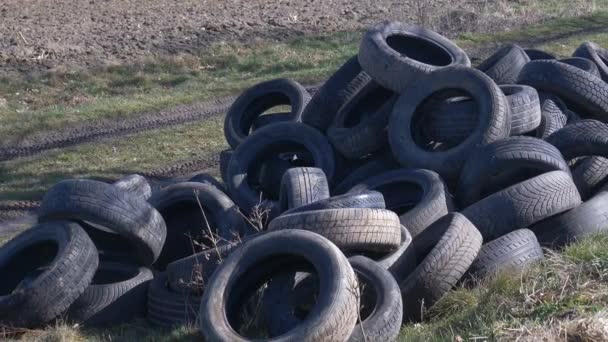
(408, 172)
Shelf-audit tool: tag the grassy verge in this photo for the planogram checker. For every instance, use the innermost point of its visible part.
(234, 67)
(562, 299)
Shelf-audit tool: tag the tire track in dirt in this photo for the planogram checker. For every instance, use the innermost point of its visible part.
(91, 132)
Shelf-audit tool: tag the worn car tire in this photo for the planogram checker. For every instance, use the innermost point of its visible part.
(301, 186)
(583, 64)
(504, 65)
(595, 53)
(333, 316)
(523, 204)
(418, 196)
(395, 54)
(135, 184)
(256, 100)
(126, 216)
(170, 309)
(536, 54)
(44, 270)
(368, 199)
(590, 175)
(581, 138)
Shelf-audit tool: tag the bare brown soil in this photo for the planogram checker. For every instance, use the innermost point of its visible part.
(38, 35)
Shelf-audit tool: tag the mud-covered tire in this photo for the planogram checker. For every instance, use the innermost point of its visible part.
(595, 53)
(458, 244)
(359, 128)
(129, 217)
(591, 217)
(339, 88)
(418, 196)
(511, 252)
(504, 163)
(107, 302)
(265, 141)
(586, 93)
(368, 199)
(44, 270)
(394, 54)
(180, 205)
(523, 204)
(259, 98)
(169, 309)
(301, 186)
(135, 184)
(352, 230)
(494, 125)
(504, 65)
(333, 316)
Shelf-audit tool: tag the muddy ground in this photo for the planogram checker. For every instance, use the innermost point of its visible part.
(38, 35)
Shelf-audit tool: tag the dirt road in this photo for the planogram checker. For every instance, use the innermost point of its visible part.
(41, 34)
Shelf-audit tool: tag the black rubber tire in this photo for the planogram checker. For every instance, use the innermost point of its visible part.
(525, 108)
(504, 163)
(272, 168)
(334, 93)
(269, 119)
(395, 54)
(135, 184)
(458, 244)
(590, 175)
(587, 94)
(418, 196)
(44, 270)
(451, 120)
(375, 166)
(553, 116)
(126, 216)
(170, 309)
(225, 157)
(402, 261)
(268, 140)
(333, 316)
(587, 219)
(351, 229)
(259, 98)
(191, 274)
(583, 64)
(206, 178)
(595, 53)
(581, 138)
(504, 65)
(180, 204)
(493, 125)
(368, 199)
(359, 128)
(523, 204)
(301, 186)
(511, 252)
(536, 54)
(106, 301)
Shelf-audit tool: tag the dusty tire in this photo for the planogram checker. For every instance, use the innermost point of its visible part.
(107, 301)
(587, 219)
(352, 230)
(170, 309)
(511, 252)
(523, 204)
(334, 93)
(525, 108)
(553, 116)
(129, 217)
(135, 184)
(585, 92)
(504, 163)
(590, 175)
(595, 53)
(259, 98)
(504, 65)
(334, 315)
(180, 205)
(581, 138)
(368, 199)
(394, 54)
(414, 152)
(301, 186)
(265, 141)
(457, 247)
(44, 269)
(419, 197)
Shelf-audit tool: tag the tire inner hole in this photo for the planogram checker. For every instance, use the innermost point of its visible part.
(106, 274)
(401, 197)
(268, 103)
(26, 265)
(419, 49)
